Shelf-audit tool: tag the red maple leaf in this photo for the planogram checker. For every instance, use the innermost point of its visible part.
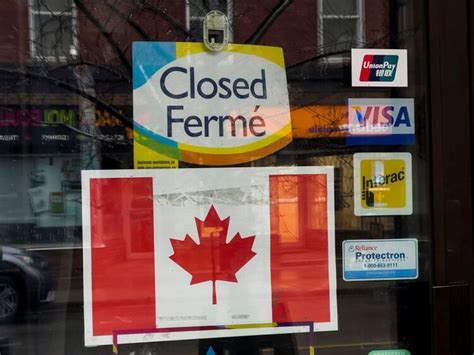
(212, 259)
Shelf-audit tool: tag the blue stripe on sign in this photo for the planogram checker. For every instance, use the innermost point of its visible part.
(153, 136)
(380, 274)
(389, 139)
(148, 58)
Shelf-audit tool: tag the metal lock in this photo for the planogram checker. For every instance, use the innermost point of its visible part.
(215, 31)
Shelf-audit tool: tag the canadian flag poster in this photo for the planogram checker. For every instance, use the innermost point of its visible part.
(203, 253)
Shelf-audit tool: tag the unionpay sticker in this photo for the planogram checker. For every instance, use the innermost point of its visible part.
(382, 184)
(379, 67)
(382, 259)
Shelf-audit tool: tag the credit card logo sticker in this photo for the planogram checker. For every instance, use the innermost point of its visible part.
(382, 184)
(379, 68)
(380, 121)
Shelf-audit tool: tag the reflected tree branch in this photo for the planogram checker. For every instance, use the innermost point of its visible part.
(117, 73)
(317, 57)
(169, 19)
(129, 20)
(268, 21)
(370, 44)
(105, 33)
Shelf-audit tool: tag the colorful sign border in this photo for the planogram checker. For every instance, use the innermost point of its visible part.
(150, 57)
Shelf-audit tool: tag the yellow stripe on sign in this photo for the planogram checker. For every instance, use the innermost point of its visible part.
(251, 326)
(284, 132)
(230, 159)
(183, 49)
(311, 350)
(272, 54)
(144, 157)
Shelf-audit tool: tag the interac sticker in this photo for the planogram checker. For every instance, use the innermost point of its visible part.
(208, 108)
(382, 184)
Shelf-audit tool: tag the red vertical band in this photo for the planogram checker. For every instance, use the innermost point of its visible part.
(365, 72)
(299, 248)
(123, 277)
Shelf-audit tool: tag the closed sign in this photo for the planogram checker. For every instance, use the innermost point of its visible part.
(210, 108)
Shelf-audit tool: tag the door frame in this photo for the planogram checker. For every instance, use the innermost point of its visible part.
(451, 61)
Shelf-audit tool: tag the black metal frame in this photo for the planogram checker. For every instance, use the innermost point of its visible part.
(451, 59)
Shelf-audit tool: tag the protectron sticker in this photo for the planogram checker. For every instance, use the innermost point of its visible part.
(380, 259)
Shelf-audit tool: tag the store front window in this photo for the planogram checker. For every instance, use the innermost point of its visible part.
(52, 29)
(119, 233)
(341, 24)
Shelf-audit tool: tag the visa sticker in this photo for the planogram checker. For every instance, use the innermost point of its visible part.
(380, 121)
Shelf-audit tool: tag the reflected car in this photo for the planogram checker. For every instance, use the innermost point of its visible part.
(25, 282)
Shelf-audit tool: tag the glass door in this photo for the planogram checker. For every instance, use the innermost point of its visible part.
(315, 204)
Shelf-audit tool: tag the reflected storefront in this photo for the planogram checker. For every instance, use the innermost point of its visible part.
(284, 195)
